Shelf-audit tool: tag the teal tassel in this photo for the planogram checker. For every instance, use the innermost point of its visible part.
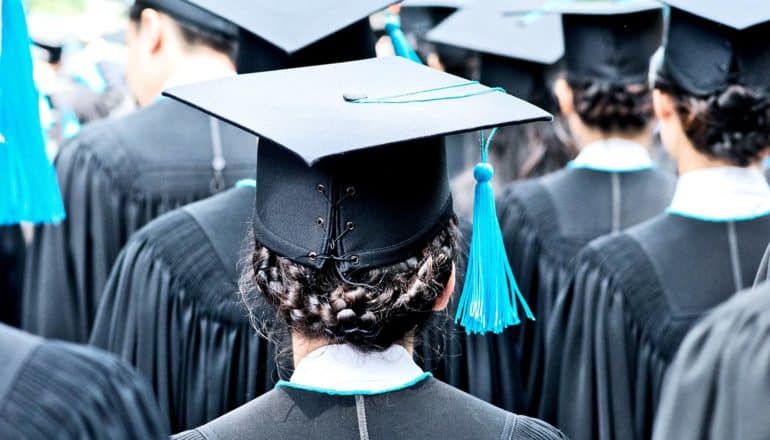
(28, 186)
(401, 45)
(488, 300)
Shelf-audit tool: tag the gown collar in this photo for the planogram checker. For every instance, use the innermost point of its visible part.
(340, 369)
(613, 155)
(722, 194)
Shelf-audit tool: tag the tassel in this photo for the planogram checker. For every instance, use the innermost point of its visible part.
(401, 45)
(490, 293)
(28, 186)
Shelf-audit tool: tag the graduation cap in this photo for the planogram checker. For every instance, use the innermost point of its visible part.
(352, 170)
(710, 44)
(293, 33)
(516, 49)
(609, 41)
(189, 12)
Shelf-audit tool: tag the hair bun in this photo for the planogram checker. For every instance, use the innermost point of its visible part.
(732, 125)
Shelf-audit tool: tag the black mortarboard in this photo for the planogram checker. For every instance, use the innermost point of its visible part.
(324, 188)
(187, 12)
(710, 44)
(610, 41)
(293, 33)
(515, 49)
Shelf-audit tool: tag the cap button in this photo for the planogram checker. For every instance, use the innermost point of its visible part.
(353, 96)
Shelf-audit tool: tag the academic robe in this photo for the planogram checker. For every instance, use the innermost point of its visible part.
(545, 222)
(171, 309)
(718, 386)
(12, 250)
(615, 329)
(116, 176)
(428, 410)
(57, 390)
(764, 269)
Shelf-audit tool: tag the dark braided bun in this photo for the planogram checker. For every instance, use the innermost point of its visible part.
(625, 108)
(376, 309)
(733, 125)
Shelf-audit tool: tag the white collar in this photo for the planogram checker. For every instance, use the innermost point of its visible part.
(722, 194)
(343, 369)
(197, 70)
(613, 155)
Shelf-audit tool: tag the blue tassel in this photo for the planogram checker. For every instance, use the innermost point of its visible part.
(28, 186)
(488, 300)
(401, 45)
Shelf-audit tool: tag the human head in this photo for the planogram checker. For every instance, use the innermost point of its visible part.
(714, 111)
(157, 41)
(369, 309)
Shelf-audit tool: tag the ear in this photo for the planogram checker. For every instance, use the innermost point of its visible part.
(151, 30)
(564, 95)
(443, 300)
(663, 105)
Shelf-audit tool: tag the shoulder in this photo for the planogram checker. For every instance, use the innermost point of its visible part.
(106, 146)
(460, 411)
(86, 391)
(178, 244)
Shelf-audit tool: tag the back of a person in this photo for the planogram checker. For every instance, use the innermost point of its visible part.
(718, 381)
(634, 295)
(117, 175)
(430, 409)
(348, 286)
(611, 185)
(64, 391)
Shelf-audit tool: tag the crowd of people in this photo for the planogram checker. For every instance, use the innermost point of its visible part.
(471, 219)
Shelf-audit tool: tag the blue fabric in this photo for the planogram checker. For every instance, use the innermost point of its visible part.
(572, 165)
(490, 292)
(401, 45)
(28, 186)
(286, 384)
(717, 220)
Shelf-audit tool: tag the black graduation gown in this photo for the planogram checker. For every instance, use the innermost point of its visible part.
(764, 269)
(428, 410)
(545, 222)
(12, 249)
(171, 309)
(634, 296)
(57, 390)
(719, 382)
(115, 177)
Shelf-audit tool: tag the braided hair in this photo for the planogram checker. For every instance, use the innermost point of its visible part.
(370, 309)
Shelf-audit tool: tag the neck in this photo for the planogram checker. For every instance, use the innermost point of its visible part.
(302, 346)
(200, 65)
(689, 159)
(585, 135)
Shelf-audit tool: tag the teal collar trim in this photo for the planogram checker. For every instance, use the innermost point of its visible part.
(411, 383)
(246, 183)
(718, 220)
(573, 165)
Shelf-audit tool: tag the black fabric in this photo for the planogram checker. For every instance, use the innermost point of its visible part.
(719, 382)
(355, 42)
(612, 48)
(763, 274)
(116, 176)
(544, 222)
(359, 214)
(12, 251)
(617, 326)
(428, 410)
(703, 57)
(187, 12)
(171, 309)
(56, 390)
